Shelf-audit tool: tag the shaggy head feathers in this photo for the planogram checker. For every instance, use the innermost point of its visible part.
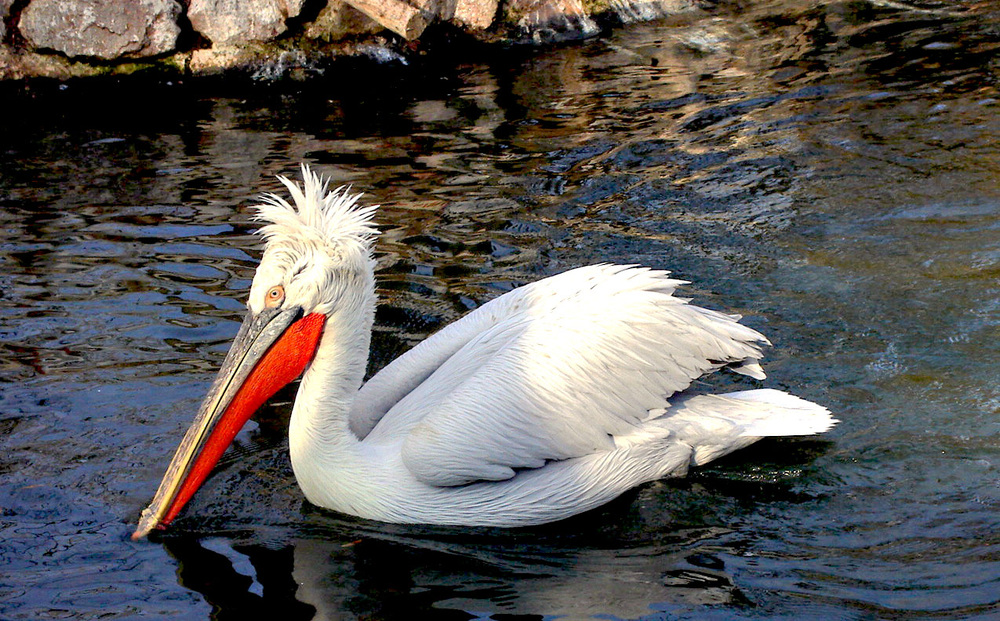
(319, 248)
(318, 218)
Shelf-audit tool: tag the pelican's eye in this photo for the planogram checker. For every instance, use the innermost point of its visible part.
(275, 296)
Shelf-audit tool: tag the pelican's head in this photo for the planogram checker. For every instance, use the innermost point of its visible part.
(314, 250)
(317, 258)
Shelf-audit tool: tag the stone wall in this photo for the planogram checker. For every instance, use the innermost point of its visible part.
(270, 38)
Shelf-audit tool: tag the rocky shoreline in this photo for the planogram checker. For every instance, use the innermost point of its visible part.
(269, 39)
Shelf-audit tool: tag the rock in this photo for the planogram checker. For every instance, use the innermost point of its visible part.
(17, 65)
(219, 60)
(475, 14)
(232, 22)
(629, 11)
(400, 17)
(337, 20)
(101, 29)
(551, 20)
(4, 12)
(255, 60)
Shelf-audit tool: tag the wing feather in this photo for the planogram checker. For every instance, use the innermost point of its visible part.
(553, 371)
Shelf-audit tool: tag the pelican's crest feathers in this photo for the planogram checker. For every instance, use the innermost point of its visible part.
(331, 219)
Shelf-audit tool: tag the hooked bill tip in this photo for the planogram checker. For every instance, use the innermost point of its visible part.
(147, 524)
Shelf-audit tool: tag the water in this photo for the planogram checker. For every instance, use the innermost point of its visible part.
(829, 170)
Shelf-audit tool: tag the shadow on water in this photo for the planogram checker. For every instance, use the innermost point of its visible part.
(826, 169)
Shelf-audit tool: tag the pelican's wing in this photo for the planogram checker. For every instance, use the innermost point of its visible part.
(552, 371)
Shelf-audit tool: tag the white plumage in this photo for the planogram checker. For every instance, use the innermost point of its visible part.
(543, 403)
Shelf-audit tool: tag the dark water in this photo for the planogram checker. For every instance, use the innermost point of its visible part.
(829, 170)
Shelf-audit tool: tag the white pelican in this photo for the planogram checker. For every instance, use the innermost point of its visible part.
(543, 403)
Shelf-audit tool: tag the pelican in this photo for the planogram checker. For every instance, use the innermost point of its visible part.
(543, 403)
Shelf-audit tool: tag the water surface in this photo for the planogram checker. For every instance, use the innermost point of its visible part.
(829, 170)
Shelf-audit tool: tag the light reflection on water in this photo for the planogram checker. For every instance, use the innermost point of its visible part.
(829, 171)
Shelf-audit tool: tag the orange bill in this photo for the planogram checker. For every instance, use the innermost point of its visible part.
(272, 348)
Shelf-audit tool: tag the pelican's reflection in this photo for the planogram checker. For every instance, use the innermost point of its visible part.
(261, 587)
(666, 548)
(389, 576)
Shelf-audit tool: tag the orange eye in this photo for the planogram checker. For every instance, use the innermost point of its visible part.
(275, 296)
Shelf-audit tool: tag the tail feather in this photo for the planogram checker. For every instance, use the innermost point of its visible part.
(782, 414)
(714, 425)
(750, 367)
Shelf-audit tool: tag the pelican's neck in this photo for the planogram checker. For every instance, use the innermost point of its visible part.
(321, 444)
